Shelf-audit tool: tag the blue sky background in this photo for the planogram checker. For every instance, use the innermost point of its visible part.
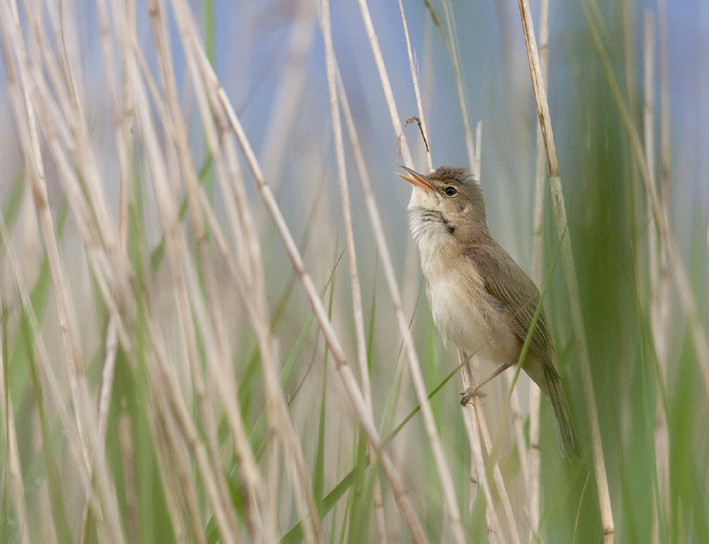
(252, 55)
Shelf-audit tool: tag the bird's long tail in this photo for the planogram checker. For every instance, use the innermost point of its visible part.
(564, 426)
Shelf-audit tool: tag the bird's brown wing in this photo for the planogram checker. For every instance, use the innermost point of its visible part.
(506, 281)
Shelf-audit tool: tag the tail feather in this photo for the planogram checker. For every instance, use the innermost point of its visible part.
(563, 425)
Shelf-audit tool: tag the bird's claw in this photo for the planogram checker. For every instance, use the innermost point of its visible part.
(468, 395)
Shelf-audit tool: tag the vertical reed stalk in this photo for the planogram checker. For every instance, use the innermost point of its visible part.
(569, 269)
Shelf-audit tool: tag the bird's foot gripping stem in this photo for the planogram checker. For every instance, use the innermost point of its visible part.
(468, 395)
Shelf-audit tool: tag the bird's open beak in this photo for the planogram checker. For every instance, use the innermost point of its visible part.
(416, 179)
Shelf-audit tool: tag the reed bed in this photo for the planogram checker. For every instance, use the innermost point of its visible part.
(213, 323)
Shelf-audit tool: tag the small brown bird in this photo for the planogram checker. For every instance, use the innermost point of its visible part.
(481, 300)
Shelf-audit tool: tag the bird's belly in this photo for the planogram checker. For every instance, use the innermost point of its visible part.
(472, 321)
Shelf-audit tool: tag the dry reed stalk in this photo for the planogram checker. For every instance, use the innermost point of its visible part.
(535, 394)
(490, 450)
(375, 223)
(473, 147)
(675, 263)
(356, 291)
(69, 129)
(444, 475)
(41, 353)
(57, 395)
(121, 121)
(224, 109)
(341, 363)
(417, 89)
(334, 85)
(473, 410)
(278, 416)
(178, 472)
(26, 109)
(221, 372)
(384, 78)
(171, 402)
(332, 80)
(518, 428)
(104, 396)
(66, 128)
(176, 248)
(569, 269)
(217, 351)
(659, 306)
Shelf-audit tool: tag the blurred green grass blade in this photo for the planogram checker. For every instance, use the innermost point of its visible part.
(417, 408)
(361, 499)
(319, 467)
(8, 517)
(39, 299)
(259, 428)
(295, 535)
(153, 520)
(688, 499)
(57, 500)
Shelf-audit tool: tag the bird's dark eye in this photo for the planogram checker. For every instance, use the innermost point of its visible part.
(450, 191)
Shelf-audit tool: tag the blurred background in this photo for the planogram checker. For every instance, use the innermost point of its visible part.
(270, 58)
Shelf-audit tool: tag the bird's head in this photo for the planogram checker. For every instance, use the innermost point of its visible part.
(451, 194)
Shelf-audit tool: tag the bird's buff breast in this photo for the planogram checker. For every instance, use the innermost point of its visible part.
(463, 311)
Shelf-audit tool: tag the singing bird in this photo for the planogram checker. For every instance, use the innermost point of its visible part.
(481, 300)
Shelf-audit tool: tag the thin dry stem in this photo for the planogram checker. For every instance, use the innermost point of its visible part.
(105, 391)
(518, 428)
(535, 394)
(499, 482)
(375, 222)
(474, 415)
(57, 396)
(25, 111)
(344, 371)
(175, 247)
(333, 78)
(415, 368)
(659, 302)
(276, 408)
(216, 348)
(569, 269)
(417, 89)
(166, 391)
(384, 78)
(497, 478)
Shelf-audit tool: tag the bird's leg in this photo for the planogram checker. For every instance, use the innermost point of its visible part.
(468, 394)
